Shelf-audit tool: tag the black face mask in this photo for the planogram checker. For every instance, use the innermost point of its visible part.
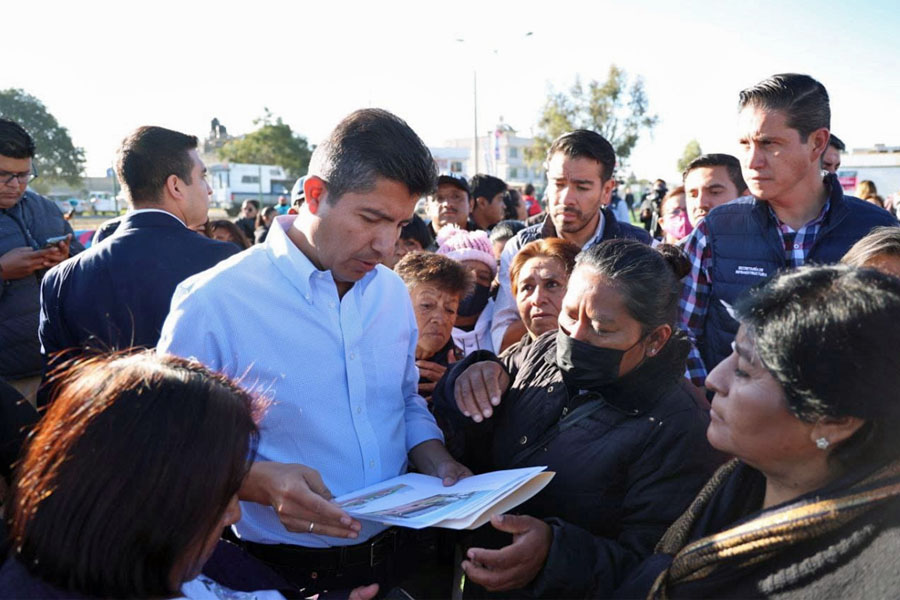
(587, 367)
(475, 302)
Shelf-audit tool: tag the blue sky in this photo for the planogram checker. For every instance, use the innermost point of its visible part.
(104, 68)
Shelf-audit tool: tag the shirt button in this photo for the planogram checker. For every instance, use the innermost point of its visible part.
(371, 464)
(550, 389)
(523, 440)
(352, 356)
(565, 410)
(796, 246)
(358, 409)
(331, 304)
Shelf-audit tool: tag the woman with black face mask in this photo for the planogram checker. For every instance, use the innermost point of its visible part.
(603, 402)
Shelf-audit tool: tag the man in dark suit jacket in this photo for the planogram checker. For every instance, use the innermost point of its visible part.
(117, 294)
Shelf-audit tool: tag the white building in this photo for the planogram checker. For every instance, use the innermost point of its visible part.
(501, 153)
(232, 183)
(880, 164)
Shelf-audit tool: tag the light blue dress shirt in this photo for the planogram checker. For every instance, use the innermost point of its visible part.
(340, 371)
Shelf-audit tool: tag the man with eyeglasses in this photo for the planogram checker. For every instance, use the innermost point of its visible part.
(33, 237)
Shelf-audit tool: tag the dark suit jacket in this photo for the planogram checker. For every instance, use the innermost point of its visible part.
(116, 294)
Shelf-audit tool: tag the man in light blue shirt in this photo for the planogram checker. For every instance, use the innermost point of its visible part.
(311, 318)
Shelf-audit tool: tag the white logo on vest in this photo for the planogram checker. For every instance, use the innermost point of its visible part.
(755, 271)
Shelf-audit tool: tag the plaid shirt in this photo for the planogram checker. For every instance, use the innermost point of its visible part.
(695, 294)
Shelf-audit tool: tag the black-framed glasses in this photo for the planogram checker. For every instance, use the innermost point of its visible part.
(25, 177)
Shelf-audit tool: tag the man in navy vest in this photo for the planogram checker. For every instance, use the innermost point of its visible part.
(580, 183)
(117, 294)
(794, 214)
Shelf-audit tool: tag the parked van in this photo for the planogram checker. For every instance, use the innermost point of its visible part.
(103, 202)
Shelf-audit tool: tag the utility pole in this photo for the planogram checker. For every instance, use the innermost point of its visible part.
(475, 99)
(112, 173)
(259, 167)
(475, 114)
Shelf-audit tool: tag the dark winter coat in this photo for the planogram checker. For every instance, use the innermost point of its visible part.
(624, 472)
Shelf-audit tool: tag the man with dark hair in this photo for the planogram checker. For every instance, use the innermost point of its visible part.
(331, 335)
(793, 215)
(450, 204)
(580, 182)
(247, 220)
(117, 294)
(34, 236)
(502, 233)
(488, 207)
(709, 181)
(831, 159)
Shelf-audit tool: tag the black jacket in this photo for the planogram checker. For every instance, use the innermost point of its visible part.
(624, 473)
(17, 419)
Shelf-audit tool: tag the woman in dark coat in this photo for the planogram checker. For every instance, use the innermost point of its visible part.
(603, 403)
(809, 403)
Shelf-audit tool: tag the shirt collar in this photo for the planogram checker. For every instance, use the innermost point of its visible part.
(138, 211)
(295, 265)
(598, 233)
(816, 221)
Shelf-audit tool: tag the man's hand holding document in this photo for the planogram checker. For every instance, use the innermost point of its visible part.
(416, 501)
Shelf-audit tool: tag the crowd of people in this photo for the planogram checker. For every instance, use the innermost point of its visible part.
(710, 373)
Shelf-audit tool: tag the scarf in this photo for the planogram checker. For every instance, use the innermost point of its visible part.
(771, 532)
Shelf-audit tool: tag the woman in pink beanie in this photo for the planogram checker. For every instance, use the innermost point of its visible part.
(473, 249)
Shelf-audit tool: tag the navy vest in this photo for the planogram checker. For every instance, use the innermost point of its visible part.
(746, 248)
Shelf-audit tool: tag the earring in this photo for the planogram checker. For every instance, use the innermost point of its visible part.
(822, 443)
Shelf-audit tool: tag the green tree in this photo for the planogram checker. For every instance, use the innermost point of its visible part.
(691, 151)
(617, 109)
(56, 157)
(274, 143)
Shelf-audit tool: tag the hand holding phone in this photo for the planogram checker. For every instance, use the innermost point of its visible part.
(56, 250)
(53, 241)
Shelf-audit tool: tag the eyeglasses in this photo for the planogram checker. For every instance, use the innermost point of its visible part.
(25, 177)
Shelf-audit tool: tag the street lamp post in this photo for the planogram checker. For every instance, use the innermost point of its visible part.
(475, 99)
(475, 113)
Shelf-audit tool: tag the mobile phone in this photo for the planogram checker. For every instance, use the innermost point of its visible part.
(53, 241)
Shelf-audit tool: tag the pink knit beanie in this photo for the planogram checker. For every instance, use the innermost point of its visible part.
(460, 245)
